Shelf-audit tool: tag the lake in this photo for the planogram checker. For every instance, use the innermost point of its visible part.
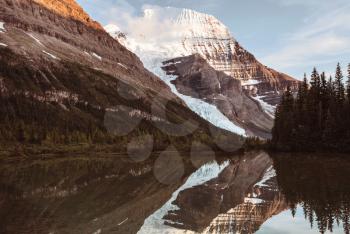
(256, 192)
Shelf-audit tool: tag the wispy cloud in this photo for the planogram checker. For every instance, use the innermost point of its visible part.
(324, 39)
(308, 32)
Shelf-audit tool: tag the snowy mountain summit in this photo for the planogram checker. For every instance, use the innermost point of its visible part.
(174, 32)
(162, 34)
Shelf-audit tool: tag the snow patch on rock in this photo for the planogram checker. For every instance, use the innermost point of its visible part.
(269, 109)
(269, 174)
(35, 39)
(253, 200)
(98, 231)
(249, 82)
(51, 55)
(113, 30)
(87, 53)
(97, 56)
(123, 221)
(123, 65)
(2, 27)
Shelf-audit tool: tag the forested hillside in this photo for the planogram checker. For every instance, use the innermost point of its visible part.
(317, 117)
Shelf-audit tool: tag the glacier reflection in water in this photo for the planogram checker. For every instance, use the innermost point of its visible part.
(263, 194)
(154, 223)
(254, 192)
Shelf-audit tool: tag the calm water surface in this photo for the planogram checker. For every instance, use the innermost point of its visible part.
(251, 193)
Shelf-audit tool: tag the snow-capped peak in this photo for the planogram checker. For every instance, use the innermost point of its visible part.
(112, 28)
(174, 32)
(115, 32)
(166, 33)
(193, 24)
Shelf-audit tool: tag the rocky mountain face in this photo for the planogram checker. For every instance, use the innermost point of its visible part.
(63, 75)
(196, 78)
(210, 38)
(188, 33)
(239, 200)
(70, 9)
(207, 36)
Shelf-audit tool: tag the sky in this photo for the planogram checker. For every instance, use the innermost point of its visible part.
(291, 36)
(285, 223)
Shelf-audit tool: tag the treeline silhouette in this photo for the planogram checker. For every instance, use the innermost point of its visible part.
(25, 120)
(317, 117)
(317, 185)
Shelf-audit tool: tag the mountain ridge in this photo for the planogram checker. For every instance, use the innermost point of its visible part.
(71, 9)
(175, 33)
(206, 35)
(64, 81)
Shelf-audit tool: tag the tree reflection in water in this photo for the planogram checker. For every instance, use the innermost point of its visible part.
(321, 185)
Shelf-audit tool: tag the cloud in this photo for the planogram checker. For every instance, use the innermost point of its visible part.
(310, 3)
(322, 36)
(324, 39)
(154, 28)
(109, 11)
(306, 51)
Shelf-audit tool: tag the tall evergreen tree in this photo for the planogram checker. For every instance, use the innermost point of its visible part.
(324, 90)
(324, 98)
(315, 78)
(302, 93)
(339, 85)
(317, 118)
(348, 84)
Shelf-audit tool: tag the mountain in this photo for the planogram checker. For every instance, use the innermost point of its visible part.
(70, 9)
(196, 78)
(64, 79)
(171, 33)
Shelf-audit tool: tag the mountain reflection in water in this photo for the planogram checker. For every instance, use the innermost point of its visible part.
(254, 192)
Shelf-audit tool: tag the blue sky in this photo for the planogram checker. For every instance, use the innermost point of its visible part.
(291, 36)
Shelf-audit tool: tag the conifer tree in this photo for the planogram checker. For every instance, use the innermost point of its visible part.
(301, 92)
(339, 86)
(324, 98)
(348, 84)
(315, 78)
(317, 118)
(330, 133)
(324, 90)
